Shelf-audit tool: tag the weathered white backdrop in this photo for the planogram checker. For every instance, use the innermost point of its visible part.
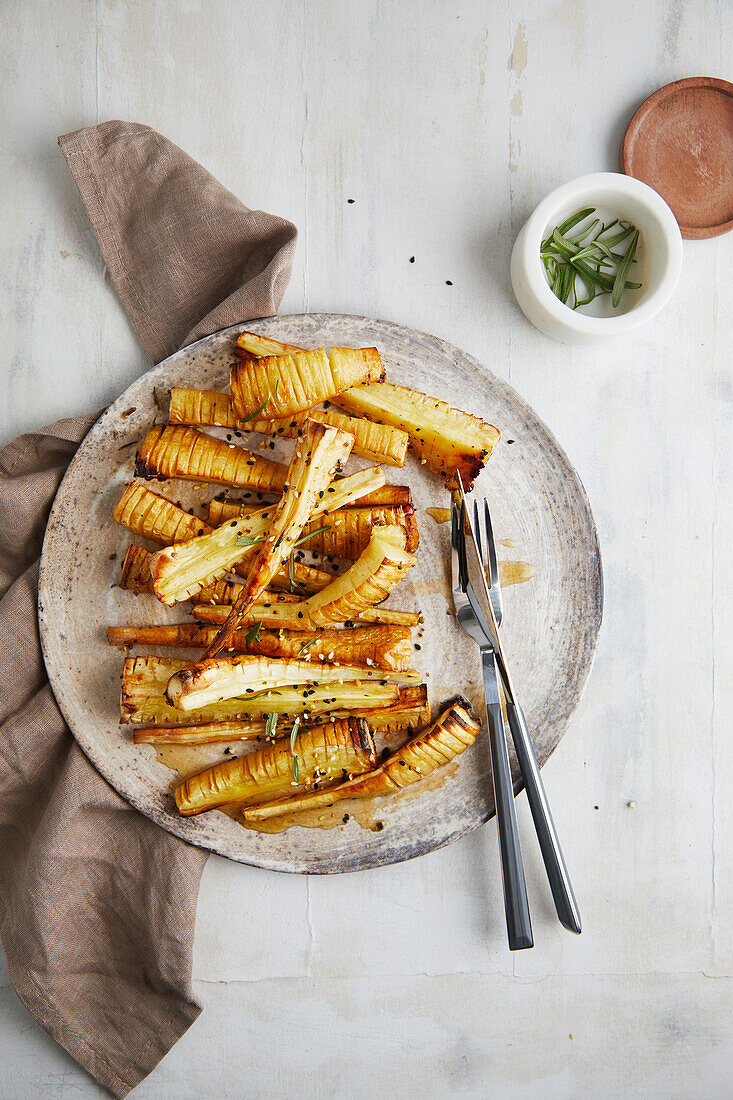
(445, 122)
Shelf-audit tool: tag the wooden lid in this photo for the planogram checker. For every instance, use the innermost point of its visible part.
(680, 142)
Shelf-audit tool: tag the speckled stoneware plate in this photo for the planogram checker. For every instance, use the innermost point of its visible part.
(541, 516)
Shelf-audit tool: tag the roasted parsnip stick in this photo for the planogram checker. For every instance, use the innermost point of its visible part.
(251, 346)
(454, 732)
(280, 385)
(215, 679)
(323, 753)
(445, 439)
(143, 699)
(386, 647)
(274, 617)
(193, 456)
(410, 712)
(136, 570)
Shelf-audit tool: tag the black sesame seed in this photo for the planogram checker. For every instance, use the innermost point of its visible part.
(351, 200)
(412, 259)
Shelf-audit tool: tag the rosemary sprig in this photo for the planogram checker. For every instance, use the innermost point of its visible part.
(296, 762)
(588, 257)
(256, 413)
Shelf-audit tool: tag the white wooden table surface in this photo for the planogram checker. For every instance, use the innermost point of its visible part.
(445, 122)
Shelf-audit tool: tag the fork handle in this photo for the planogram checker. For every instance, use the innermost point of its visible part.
(557, 872)
(516, 906)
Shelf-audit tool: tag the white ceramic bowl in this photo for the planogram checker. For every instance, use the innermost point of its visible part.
(658, 269)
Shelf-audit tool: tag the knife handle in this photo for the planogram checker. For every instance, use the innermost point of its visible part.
(557, 872)
(516, 906)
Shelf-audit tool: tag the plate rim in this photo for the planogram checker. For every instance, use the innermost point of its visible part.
(172, 826)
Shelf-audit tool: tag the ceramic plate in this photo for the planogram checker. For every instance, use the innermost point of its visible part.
(541, 516)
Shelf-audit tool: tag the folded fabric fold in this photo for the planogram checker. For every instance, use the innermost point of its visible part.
(186, 257)
(98, 904)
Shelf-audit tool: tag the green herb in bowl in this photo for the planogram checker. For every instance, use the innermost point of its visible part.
(590, 257)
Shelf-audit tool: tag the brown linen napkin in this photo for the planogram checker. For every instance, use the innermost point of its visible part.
(97, 904)
(186, 257)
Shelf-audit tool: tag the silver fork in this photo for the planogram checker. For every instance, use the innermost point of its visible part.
(557, 872)
(516, 906)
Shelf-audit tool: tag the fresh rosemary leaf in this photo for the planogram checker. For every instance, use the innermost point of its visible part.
(253, 633)
(296, 762)
(305, 645)
(580, 237)
(271, 724)
(609, 226)
(617, 238)
(310, 535)
(256, 413)
(574, 219)
(620, 282)
(291, 571)
(249, 540)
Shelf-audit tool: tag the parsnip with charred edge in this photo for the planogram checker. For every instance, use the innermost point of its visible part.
(179, 571)
(193, 456)
(143, 699)
(280, 385)
(410, 712)
(153, 517)
(136, 570)
(386, 647)
(324, 752)
(341, 534)
(445, 439)
(454, 732)
(385, 496)
(377, 442)
(317, 455)
(216, 679)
